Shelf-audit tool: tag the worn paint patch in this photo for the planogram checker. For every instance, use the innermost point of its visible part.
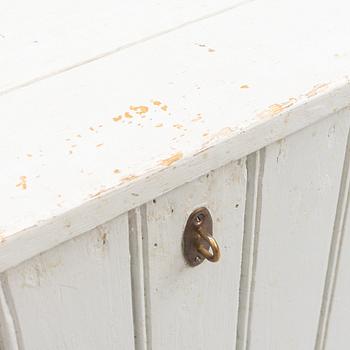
(128, 115)
(23, 182)
(99, 145)
(139, 109)
(97, 194)
(277, 108)
(160, 104)
(197, 118)
(156, 102)
(129, 178)
(116, 171)
(178, 126)
(174, 158)
(118, 118)
(244, 86)
(222, 133)
(317, 89)
(159, 125)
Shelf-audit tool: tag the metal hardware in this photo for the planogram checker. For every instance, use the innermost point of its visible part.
(198, 243)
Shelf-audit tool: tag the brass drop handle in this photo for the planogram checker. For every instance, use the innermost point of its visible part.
(198, 242)
(215, 255)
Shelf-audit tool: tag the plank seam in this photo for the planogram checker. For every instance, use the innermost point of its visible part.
(255, 172)
(334, 253)
(122, 48)
(146, 269)
(137, 279)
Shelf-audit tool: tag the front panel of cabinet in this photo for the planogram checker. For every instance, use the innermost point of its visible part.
(279, 217)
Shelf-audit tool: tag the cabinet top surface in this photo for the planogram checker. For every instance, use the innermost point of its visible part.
(165, 89)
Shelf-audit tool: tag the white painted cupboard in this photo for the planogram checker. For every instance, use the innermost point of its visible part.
(120, 120)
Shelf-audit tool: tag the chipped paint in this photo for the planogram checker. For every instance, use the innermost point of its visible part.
(224, 132)
(129, 178)
(178, 126)
(277, 108)
(156, 103)
(99, 145)
(139, 109)
(101, 191)
(116, 171)
(317, 89)
(118, 118)
(23, 182)
(174, 158)
(159, 125)
(244, 86)
(196, 119)
(128, 115)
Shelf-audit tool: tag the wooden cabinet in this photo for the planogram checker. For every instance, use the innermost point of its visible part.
(121, 121)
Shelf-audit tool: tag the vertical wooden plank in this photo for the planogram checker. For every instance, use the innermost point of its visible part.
(335, 317)
(196, 307)
(255, 171)
(78, 295)
(299, 199)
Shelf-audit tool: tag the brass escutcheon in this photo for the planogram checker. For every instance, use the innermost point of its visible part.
(198, 243)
